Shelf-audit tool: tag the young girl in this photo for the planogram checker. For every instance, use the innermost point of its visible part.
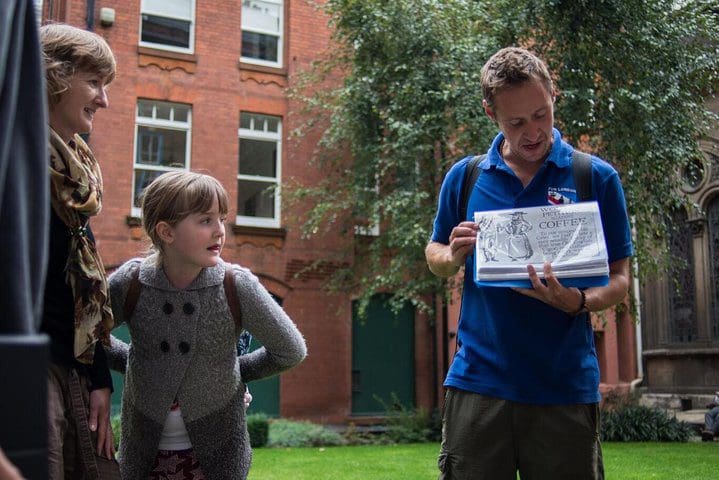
(182, 406)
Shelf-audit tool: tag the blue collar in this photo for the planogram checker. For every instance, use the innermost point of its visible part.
(560, 154)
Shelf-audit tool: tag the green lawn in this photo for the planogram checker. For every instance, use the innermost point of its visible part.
(622, 461)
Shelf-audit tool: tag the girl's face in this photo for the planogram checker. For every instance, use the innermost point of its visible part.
(196, 241)
(76, 109)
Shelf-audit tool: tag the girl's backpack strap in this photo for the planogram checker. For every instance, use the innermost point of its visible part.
(231, 294)
(133, 293)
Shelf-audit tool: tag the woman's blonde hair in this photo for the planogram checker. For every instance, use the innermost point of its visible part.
(173, 196)
(67, 50)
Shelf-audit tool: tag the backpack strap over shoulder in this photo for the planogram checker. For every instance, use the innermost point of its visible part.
(471, 174)
(133, 293)
(582, 171)
(231, 294)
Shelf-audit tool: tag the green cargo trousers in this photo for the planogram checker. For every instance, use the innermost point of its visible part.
(486, 438)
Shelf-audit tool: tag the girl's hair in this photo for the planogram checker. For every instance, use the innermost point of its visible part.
(510, 67)
(173, 196)
(67, 50)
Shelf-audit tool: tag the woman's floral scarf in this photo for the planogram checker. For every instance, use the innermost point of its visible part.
(76, 191)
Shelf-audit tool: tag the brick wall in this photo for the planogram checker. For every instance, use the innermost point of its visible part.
(218, 88)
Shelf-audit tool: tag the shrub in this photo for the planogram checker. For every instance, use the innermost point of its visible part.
(258, 427)
(413, 426)
(287, 433)
(407, 425)
(116, 426)
(375, 435)
(636, 423)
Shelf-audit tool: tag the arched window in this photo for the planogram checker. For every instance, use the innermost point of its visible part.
(713, 226)
(682, 297)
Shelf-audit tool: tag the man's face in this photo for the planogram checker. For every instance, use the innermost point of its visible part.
(525, 114)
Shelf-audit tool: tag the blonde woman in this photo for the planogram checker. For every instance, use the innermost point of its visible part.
(77, 314)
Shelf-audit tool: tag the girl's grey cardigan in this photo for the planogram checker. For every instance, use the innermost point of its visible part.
(183, 346)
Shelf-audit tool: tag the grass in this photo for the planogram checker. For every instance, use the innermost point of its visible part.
(625, 461)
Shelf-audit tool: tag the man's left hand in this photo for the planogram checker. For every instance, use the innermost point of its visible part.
(99, 421)
(552, 293)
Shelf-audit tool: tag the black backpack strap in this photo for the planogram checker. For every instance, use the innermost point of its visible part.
(133, 293)
(471, 174)
(231, 294)
(582, 171)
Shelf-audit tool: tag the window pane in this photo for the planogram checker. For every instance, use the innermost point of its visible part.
(161, 146)
(181, 112)
(142, 180)
(256, 199)
(144, 108)
(245, 119)
(682, 300)
(261, 15)
(165, 31)
(171, 8)
(258, 157)
(163, 111)
(259, 46)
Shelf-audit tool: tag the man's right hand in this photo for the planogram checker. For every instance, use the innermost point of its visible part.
(461, 242)
(446, 260)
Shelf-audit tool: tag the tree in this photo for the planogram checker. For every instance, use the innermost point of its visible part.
(631, 74)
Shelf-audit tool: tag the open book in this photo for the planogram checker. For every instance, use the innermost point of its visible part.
(570, 237)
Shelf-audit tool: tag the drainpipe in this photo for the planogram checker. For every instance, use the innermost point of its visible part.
(90, 17)
(638, 324)
(435, 353)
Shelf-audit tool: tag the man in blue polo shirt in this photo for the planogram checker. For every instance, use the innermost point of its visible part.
(523, 388)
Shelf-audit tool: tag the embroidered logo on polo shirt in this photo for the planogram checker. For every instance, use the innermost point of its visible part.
(556, 197)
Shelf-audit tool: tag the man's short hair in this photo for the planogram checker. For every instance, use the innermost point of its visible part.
(510, 67)
(67, 50)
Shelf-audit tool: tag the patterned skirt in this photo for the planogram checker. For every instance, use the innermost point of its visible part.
(176, 465)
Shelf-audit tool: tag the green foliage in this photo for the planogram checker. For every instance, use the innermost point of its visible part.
(632, 79)
(116, 429)
(636, 423)
(405, 109)
(410, 425)
(414, 426)
(403, 103)
(287, 433)
(258, 427)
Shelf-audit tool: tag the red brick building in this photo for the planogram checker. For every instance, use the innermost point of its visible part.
(203, 85)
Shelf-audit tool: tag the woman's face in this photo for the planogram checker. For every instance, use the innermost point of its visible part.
(76, 109)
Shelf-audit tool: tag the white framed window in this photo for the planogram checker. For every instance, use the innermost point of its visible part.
(262, 27)
(367, 222)
(162, 143)
(259, 170)
(168, 25)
